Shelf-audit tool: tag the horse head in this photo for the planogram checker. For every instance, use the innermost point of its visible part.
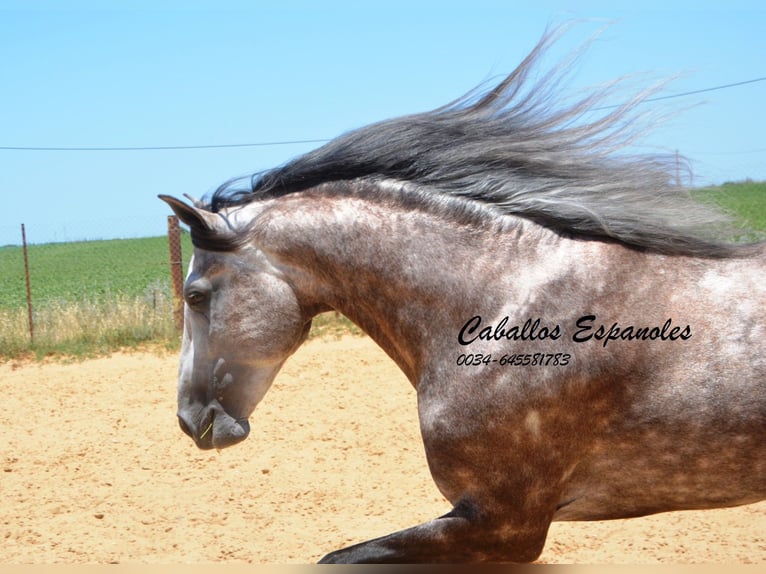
(241, 322)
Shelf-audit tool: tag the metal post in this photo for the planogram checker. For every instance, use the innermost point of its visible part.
(176, 271)
(30, 314)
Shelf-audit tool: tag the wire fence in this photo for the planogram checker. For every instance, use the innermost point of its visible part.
(93, 295)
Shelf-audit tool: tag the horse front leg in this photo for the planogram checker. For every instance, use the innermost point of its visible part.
(466, 534)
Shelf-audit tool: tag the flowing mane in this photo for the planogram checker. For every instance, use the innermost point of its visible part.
(509, 147)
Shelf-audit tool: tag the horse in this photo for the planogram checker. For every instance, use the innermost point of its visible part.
(585, 337)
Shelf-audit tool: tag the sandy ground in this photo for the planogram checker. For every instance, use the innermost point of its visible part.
(94, 469)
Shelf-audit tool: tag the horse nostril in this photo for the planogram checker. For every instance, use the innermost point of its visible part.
(184, 426)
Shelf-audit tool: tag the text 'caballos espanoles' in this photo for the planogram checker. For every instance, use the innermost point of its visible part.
(585, 329)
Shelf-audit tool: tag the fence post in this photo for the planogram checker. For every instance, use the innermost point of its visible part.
(30, 315)
(176, 271)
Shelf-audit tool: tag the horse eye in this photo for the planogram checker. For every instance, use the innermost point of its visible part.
(195, 298)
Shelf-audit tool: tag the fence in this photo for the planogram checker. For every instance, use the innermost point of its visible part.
(86, 295)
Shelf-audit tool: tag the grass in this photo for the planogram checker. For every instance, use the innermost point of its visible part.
(95, 297)
(88, 270)
(746, 201)
(332, 324)
(87, 328)
(89, 297)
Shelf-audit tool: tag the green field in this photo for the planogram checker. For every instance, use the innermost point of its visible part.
(746, 201)
(88, 270)
(96, 296)
(88, 297)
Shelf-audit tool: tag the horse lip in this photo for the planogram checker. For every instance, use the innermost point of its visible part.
(228, 431)
(216, 428)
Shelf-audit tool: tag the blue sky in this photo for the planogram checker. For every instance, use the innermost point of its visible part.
(161, 73)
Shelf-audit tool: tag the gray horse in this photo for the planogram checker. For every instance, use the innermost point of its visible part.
(585, 339)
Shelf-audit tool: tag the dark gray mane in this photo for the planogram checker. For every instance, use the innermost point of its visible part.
(511, 148)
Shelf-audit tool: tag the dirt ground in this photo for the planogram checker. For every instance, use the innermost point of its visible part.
(94, 469)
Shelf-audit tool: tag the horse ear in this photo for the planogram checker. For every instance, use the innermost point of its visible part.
(192, 216)
(211, 231)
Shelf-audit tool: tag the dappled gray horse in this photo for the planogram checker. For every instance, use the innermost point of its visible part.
(584, 342)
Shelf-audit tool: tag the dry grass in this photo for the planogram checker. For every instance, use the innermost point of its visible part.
(87, 328)
(94, 327)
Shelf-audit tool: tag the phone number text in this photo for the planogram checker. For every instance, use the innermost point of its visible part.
(515, 360)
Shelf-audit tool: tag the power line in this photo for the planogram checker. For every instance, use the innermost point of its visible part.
(714, 88)
(295, 142)
(161, 148)
(690, 93)
(743, 152)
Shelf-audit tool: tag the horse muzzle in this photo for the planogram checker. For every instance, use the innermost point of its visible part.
(210, 426)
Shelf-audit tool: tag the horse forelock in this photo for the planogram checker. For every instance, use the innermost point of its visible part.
(510, 148)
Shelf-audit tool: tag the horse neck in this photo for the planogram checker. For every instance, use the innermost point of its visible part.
(408, 277)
